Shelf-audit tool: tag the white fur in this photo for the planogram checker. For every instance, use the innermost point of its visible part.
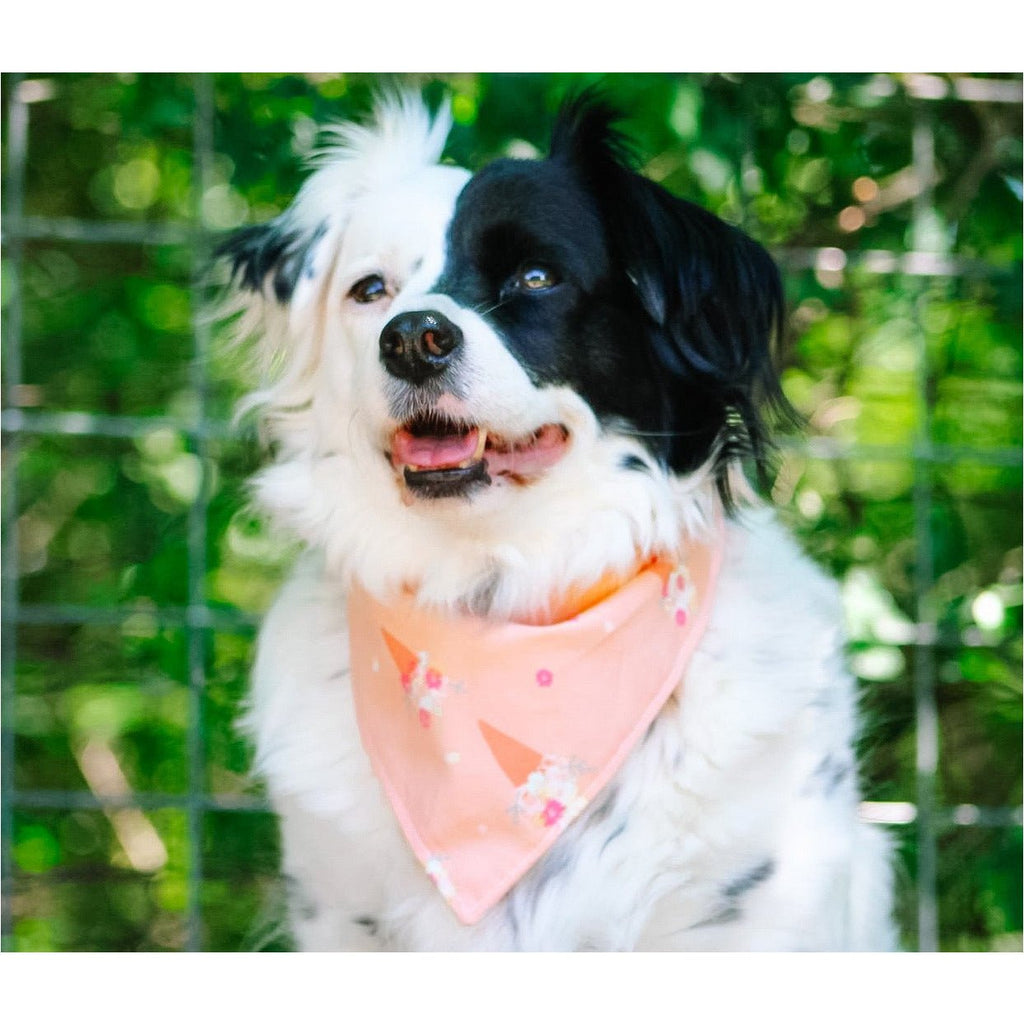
(732, 826)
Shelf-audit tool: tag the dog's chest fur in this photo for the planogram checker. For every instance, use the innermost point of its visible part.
(731, 826)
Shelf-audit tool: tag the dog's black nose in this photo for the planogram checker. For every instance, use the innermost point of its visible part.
(418, 345)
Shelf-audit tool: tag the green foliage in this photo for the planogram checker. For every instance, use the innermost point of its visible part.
(909, 493)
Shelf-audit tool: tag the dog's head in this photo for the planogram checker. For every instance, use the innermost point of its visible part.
(517, 403)
(576, 280)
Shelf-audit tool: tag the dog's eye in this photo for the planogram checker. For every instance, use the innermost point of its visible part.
(369, 289)
(535, 277)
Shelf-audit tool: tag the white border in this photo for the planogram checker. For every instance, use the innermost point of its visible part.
(474, 35)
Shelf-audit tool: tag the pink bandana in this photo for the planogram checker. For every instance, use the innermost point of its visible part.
(490, 738)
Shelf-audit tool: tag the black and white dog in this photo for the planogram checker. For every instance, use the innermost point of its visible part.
(491, 392)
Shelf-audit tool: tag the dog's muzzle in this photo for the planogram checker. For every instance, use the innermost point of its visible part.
(418, 345)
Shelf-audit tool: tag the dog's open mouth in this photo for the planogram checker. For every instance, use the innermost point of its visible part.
(441, 458)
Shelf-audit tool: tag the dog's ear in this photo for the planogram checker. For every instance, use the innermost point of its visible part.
(585, 136)
(276, 271)
(712, 296)
(276, 253)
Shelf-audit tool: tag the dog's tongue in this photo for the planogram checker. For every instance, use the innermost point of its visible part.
(433, 451)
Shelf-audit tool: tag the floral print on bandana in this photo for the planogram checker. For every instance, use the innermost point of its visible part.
(424, 684)
(516, 740)
(678, 594)
(426, 688)
(550, 796)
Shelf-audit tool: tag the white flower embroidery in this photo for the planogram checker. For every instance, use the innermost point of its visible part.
(426, 688)
(550, 795)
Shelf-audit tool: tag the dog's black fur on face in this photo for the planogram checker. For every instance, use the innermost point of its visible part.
(656, 311)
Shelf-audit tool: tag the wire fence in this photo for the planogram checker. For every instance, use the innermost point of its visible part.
(926, 817)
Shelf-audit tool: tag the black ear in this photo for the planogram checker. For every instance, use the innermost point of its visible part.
(585, 134)
(711, 296)
(275, 250)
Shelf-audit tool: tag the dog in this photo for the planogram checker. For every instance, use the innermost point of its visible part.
(509, 402)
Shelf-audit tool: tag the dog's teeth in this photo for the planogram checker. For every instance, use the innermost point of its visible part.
(478, 454)
(481, 444)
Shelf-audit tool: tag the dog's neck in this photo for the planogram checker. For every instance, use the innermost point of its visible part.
(540, 583)
(557, 607)
(525, 562)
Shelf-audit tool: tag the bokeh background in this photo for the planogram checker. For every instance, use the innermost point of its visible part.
(134, 575)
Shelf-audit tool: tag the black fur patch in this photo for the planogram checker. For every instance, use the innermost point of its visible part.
(727, 916)
(602, 811)
(614, 835)
(729, 910)
(658, 312)
(261, 250)
(369, 923)
(634, 463)
(751, 879)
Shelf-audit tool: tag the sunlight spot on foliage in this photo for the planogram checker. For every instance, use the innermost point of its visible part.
(36, 90)
(686, 110)
(161, 444)
(464, 108)
(753, 181)
(818, 89)
(183, 477)
(930, 233)
(103, 711)
(224, 208)
(136, 184)
(851, 218)
(987, 609)
(871, 611)
(304, 135)
(712, 170)
(811, 176)
(520, 149)
(865, 189)
(330, 86)
(810, 504)
(829, 264)
(878, 663)
(892, 347)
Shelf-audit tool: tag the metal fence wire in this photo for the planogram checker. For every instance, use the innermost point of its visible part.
(184, 819)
